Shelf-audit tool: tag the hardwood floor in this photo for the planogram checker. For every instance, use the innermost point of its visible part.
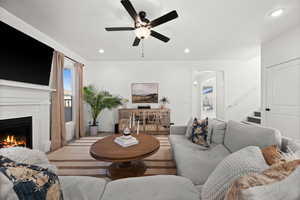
(75, 160)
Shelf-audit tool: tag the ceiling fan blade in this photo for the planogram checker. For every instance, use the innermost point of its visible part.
(130, 9)
(136, 42)
(119, 29)
(159, 36)
(165, 18)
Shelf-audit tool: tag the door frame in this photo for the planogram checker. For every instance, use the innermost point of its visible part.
(220, 79)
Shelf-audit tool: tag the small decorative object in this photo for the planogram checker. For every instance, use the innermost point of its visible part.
(144, 92)
(164, 101)
(98, 101)
(126, 132)
(138, 127)
(124, 102)
(144, 107)
(126, 141)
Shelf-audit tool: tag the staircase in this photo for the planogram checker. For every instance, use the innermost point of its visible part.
(254, 119)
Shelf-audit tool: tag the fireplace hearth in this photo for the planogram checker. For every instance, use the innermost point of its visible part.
(16, 132)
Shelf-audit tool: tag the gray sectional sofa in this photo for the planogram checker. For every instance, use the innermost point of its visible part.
(197, 164)
(194, 165)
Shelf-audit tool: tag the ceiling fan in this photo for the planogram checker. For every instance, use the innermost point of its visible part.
(142, 25)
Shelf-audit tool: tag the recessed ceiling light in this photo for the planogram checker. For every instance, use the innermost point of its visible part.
(186, 50)
(101, 51)
(276, 13)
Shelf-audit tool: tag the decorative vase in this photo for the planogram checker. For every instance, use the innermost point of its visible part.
(93, 130)
(163, 105)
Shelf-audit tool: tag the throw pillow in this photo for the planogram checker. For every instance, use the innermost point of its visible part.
(26, 182)
(239, 135)
(240, 163)
(199, 132)
(189, 128)
(28, 156)
(272, 155)
(216, 132)
(246, 187)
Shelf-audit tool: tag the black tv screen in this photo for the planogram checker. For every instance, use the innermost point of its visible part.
(23, 58)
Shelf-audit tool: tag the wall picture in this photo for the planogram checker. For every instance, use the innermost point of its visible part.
(144, 92)
(207, 95)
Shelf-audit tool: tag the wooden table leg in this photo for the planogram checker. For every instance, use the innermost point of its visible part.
(126, 169)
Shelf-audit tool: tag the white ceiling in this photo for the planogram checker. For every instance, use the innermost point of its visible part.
(211, 29)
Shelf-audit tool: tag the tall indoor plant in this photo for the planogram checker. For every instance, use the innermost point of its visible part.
(98, 101)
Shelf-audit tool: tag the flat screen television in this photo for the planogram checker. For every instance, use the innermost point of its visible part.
(23, 58)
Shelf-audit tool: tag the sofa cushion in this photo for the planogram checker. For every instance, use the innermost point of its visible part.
(194, 163)
(82, 187)
(160, 187)
(217, 130)
(240, 135)
(240, 163)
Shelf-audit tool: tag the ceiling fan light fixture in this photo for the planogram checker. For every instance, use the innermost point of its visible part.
(142, 32)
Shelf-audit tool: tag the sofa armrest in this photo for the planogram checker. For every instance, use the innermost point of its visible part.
(178, 130)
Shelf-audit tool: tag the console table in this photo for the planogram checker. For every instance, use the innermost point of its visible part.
(151, 121)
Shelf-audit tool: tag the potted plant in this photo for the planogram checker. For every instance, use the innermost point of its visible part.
(164, 101)
(98, 101)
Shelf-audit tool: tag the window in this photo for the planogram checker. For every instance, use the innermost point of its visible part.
(68, 94)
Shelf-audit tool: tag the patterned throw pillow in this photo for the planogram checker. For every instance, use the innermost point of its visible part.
(199, 132)
(27, 182)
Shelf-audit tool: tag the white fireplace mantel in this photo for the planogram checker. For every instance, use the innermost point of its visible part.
(24, 100)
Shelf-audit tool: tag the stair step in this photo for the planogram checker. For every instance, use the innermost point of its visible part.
(252, 119)
(257, 114)
(250, 123)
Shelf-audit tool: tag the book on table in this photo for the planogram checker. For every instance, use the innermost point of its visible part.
(126, 141)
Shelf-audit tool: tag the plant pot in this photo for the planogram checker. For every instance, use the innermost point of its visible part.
(163, 106)
(93, 130)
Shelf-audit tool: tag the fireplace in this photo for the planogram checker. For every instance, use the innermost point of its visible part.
(16, 132)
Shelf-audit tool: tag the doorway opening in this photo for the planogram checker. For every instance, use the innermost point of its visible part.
(208, 94)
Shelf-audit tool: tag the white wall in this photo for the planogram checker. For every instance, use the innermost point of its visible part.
(175, 81)
(284, 48)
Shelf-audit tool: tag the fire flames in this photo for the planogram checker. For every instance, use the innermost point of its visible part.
(12, 141)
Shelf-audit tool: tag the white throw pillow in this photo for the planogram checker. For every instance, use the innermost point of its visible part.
(287, 189)
(240, 163)
(216, 131)
(189, 128)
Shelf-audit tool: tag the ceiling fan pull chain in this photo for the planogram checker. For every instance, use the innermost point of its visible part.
(143, 53)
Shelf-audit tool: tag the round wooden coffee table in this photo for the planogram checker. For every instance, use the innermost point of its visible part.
(126, 161)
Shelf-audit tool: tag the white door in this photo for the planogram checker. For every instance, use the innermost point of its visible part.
(283, 98)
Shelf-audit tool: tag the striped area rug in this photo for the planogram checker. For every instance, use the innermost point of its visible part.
(75, 160)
